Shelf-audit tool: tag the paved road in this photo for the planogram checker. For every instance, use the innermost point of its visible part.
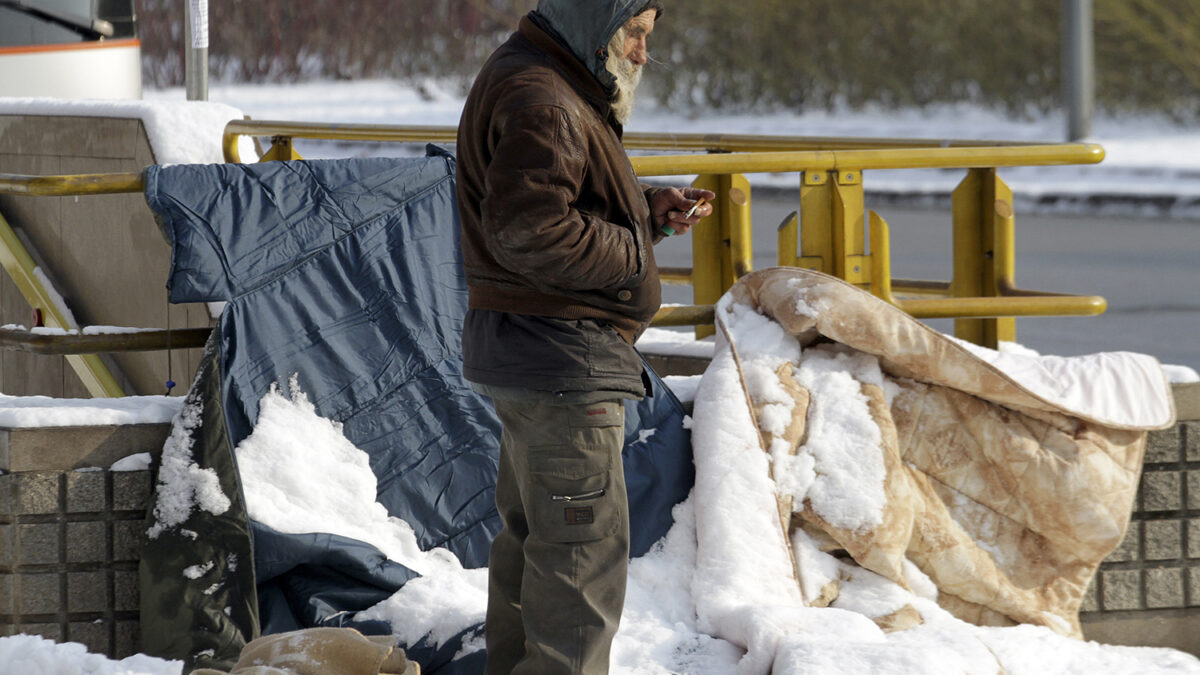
(1148, 269)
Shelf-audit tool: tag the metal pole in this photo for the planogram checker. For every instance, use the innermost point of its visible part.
(196, 55)
(1079, 67)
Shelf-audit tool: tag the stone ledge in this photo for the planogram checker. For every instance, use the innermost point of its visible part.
(665, 364)
(67, 448)
(1177, 629)
(1187, 401)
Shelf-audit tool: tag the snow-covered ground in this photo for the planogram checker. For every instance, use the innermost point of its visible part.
(660, 632)
(300, 474)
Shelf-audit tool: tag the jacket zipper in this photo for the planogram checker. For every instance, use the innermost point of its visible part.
(575, 498)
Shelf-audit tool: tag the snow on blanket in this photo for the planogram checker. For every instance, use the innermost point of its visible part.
(954, 488)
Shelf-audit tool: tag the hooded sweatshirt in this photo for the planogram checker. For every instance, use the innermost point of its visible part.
(556, 229)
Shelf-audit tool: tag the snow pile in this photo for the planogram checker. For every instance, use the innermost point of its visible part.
(300, 474)
(734, 502)
(841, 469)
(18, 412)
(184, 486)
(34, 655)
(671, 342)
(658, 632)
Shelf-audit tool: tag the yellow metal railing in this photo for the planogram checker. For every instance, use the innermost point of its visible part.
(282, 132)
(114, 183)
(73, 185)
(827, 233)
(80, 349)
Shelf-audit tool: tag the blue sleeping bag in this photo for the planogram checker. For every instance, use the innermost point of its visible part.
(347, 273)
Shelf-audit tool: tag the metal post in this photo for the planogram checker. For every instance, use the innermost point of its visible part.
(707, 267)
(850, 260)
(196, 54)
(733, 203)
(1079, 67)
(983, 253)
(816, 218)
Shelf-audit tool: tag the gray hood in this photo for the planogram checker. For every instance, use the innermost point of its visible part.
(586, 26)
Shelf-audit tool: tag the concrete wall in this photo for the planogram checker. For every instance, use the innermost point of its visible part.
(71, 535)
(104, 253)
(69, 544)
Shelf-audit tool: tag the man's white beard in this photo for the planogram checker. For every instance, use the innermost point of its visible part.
(628, 75)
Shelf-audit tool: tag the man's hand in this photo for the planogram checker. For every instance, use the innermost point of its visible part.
(669, 208)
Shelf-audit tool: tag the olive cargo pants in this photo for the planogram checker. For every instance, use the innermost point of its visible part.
(557, 570)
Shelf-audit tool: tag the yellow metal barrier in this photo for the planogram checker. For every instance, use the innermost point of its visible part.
(859, 160)
(1008, 301)
(828, 235)
(722, 245)
(828, 232)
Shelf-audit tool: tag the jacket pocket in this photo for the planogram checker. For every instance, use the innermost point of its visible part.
(639, 246)
(608, 354)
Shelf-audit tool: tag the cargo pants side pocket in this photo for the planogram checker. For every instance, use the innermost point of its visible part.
(576, 493)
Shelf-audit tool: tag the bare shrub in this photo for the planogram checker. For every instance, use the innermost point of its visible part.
(744, 55)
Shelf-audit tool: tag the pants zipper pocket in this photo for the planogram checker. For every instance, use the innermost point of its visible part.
(576, 498)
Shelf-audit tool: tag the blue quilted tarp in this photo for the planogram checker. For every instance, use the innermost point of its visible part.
(347, 274)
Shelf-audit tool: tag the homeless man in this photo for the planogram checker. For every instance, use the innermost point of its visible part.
(557, 238)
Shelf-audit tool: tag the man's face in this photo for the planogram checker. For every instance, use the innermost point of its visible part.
(626, 56)
(637, 30)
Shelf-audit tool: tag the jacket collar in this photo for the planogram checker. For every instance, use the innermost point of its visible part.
(572, 69)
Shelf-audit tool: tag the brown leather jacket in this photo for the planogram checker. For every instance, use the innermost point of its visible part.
(554, 221)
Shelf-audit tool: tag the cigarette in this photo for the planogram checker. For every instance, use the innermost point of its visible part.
(692, 211)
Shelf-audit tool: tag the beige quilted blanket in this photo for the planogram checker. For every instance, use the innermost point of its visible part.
(1007, 491)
